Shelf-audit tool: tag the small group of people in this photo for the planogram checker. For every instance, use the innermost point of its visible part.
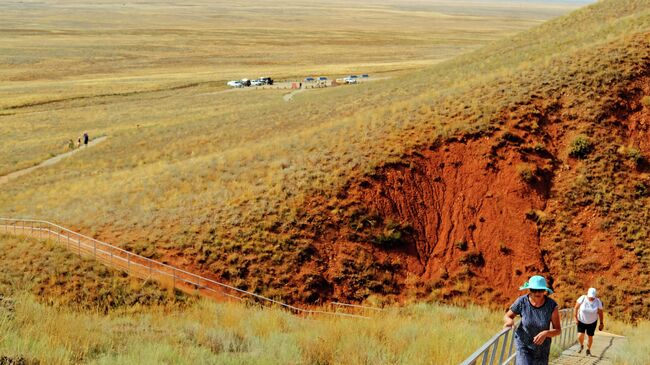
(81, 139)
(538, 311)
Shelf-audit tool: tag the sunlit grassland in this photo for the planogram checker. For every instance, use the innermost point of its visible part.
(213, 175)
(635, 350)
(59, 324)
(57, 50)
(57, 308)
(58, 277)
(209, 332)
(233, 158)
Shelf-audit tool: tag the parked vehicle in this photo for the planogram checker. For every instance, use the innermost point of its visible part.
(309, 79)
(234, 83)
(267, 80)
(364, 76)
(322, 78)
(257, 83)
(350, 80)
(246, 82)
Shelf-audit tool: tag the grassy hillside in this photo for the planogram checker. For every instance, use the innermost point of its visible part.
(218, 182)
(48, 326)
(57, 277)
(56, 308)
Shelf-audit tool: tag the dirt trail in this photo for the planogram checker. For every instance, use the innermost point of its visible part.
(289, 96)
(49, 162)
(601, 351)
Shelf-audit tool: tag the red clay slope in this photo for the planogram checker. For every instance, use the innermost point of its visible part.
(472, 217)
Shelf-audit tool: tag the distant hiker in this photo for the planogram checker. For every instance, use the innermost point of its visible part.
(588, 310)
(301, 85)
(78, 142)
(537, 311)
(86, 139)
(71, 145)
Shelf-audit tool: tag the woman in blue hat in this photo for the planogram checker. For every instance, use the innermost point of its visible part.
(537, 311)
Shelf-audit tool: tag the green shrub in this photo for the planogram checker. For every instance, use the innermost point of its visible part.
(526, 173)
(580, 147)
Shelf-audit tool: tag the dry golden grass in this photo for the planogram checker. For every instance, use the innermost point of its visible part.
(209, 172)
(175, 149)
(64, 49)
(66, 321)
(44, 326)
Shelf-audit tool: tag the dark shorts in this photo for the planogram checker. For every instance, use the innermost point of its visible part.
(527, 356)
(589, 328)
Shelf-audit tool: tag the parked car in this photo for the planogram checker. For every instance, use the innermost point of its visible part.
(350, 80)
(234, 83)
(322, 78)
(267, 80)
(309, 79)
(257, 83)
(245, 82)
(365, 76)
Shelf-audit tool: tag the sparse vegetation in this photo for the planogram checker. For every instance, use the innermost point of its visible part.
(580, 147)
(59, 278)
(221, 177)
(527, 173)
(40, 327)
(645, 101)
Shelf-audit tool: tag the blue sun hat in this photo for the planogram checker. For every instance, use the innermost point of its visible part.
(536, 282)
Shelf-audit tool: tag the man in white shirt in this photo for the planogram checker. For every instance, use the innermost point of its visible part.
(588, 310)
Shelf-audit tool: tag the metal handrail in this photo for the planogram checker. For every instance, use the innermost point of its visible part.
(140, 266)
(494, 351)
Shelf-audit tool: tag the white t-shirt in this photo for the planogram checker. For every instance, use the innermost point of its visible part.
(588, 312)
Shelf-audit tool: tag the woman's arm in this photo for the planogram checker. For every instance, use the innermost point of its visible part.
(557, 329)
(509, 319)
(576, 309)
(601, 316)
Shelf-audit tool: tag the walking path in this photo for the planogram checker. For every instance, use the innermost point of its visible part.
(6, 178)
(601, 351)
(289, 96)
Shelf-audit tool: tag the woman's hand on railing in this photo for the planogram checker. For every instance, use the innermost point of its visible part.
(509, 322)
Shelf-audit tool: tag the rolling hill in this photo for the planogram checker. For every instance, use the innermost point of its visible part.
(451, 183)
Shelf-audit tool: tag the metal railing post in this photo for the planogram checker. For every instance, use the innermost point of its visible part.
(503, 346)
